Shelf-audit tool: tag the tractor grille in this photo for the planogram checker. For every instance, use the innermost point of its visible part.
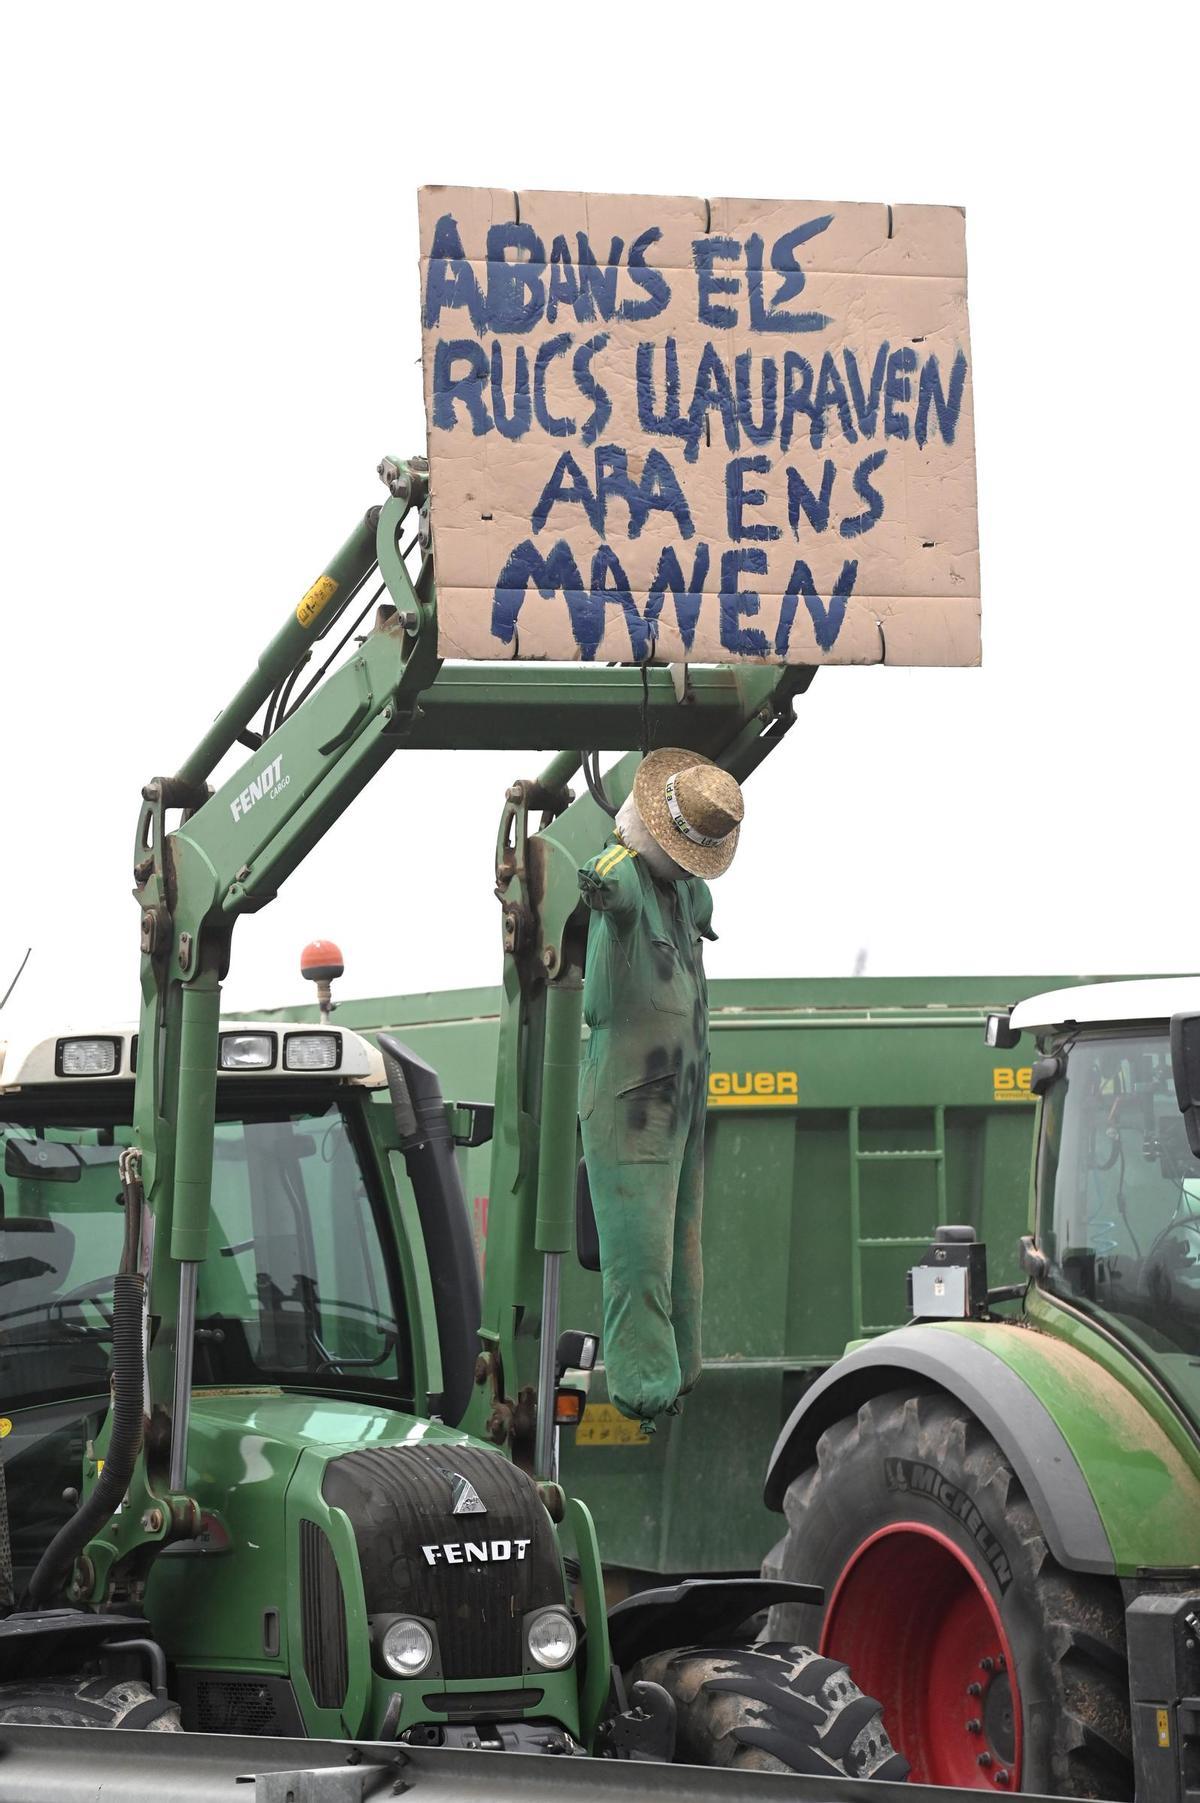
(322, 1619)
(399, 1500)
(490, 1705)
(234, 1703)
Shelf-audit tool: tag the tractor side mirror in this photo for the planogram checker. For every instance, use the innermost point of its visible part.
(999, 1033)
(575, 1352)
(1185, 1068)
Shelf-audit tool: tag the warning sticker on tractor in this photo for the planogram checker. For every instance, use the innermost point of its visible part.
(725, 431)
(604, 1425)
(317, 599)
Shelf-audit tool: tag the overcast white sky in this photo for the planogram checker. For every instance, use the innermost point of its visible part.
(211, 334)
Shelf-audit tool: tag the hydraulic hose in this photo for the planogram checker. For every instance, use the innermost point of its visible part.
(595, 785)
(125, 1441)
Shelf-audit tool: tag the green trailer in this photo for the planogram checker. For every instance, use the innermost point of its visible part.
(848, 1118)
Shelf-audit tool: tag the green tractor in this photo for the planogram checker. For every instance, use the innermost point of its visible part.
(278, 1471)
(1003, 1508)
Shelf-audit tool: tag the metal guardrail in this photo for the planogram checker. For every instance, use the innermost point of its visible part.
(96, 1765)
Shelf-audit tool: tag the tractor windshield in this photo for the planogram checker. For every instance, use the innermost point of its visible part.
(299, 1286)
(1120, 1199)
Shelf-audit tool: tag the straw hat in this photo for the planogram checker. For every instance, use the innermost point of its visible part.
(691, 807)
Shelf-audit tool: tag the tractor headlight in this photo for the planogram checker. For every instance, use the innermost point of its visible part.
(88, 1057)
(247, 1051)
(312, 1052)
(552, 1639)
(407, 1647)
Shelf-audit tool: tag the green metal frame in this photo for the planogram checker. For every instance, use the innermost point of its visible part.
(204, 858)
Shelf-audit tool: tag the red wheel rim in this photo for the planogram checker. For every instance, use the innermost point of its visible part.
(920, 1632)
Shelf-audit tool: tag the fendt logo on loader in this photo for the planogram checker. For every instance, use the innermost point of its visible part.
(267, 782)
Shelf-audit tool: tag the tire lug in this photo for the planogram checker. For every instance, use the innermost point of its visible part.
(983, 1759)
(975, 1726)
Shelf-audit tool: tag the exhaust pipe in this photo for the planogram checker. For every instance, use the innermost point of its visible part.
(428, 1147)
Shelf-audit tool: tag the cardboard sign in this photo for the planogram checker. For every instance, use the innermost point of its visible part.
(681, 429)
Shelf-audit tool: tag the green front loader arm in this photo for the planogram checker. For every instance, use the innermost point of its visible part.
(204, 858)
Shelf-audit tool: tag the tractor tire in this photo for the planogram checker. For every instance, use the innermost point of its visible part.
(773, 1708)
(88, 1703)
(996, 1668)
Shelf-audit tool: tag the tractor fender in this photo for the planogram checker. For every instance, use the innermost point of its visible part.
(1001, 1400)
(698, 1611)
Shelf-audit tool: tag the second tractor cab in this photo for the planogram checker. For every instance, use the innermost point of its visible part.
(1004, 1508)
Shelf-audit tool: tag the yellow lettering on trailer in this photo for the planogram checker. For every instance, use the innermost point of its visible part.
(1163, 1718)
(753, 1089)
(318, 597)
(1011, 1083)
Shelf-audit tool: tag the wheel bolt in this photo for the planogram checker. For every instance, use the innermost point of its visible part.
(1001, 1662)
(975, 1726)
(1003, 1777)
(987, 1665)
(974, 1690)
(984, 1759)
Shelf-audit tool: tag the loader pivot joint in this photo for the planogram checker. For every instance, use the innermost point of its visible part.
(176, 792)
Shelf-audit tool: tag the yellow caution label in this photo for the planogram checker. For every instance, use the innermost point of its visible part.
(604, 1425)
(1163, 1719)
(5, 1427)
(753, 1089)
(318, 598)
(1011, 1083)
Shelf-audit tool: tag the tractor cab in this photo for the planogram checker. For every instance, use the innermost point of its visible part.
(1117, 1183)
(304, 1286)
(328, 1577)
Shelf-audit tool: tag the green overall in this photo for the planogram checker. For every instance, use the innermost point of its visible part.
(642, 1095)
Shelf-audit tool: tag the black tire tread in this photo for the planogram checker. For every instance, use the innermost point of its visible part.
(88, 1703)
(1083, 1614)
(775, 1708)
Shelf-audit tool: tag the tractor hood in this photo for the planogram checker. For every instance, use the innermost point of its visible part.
(326, 1522)
(245, 1447)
